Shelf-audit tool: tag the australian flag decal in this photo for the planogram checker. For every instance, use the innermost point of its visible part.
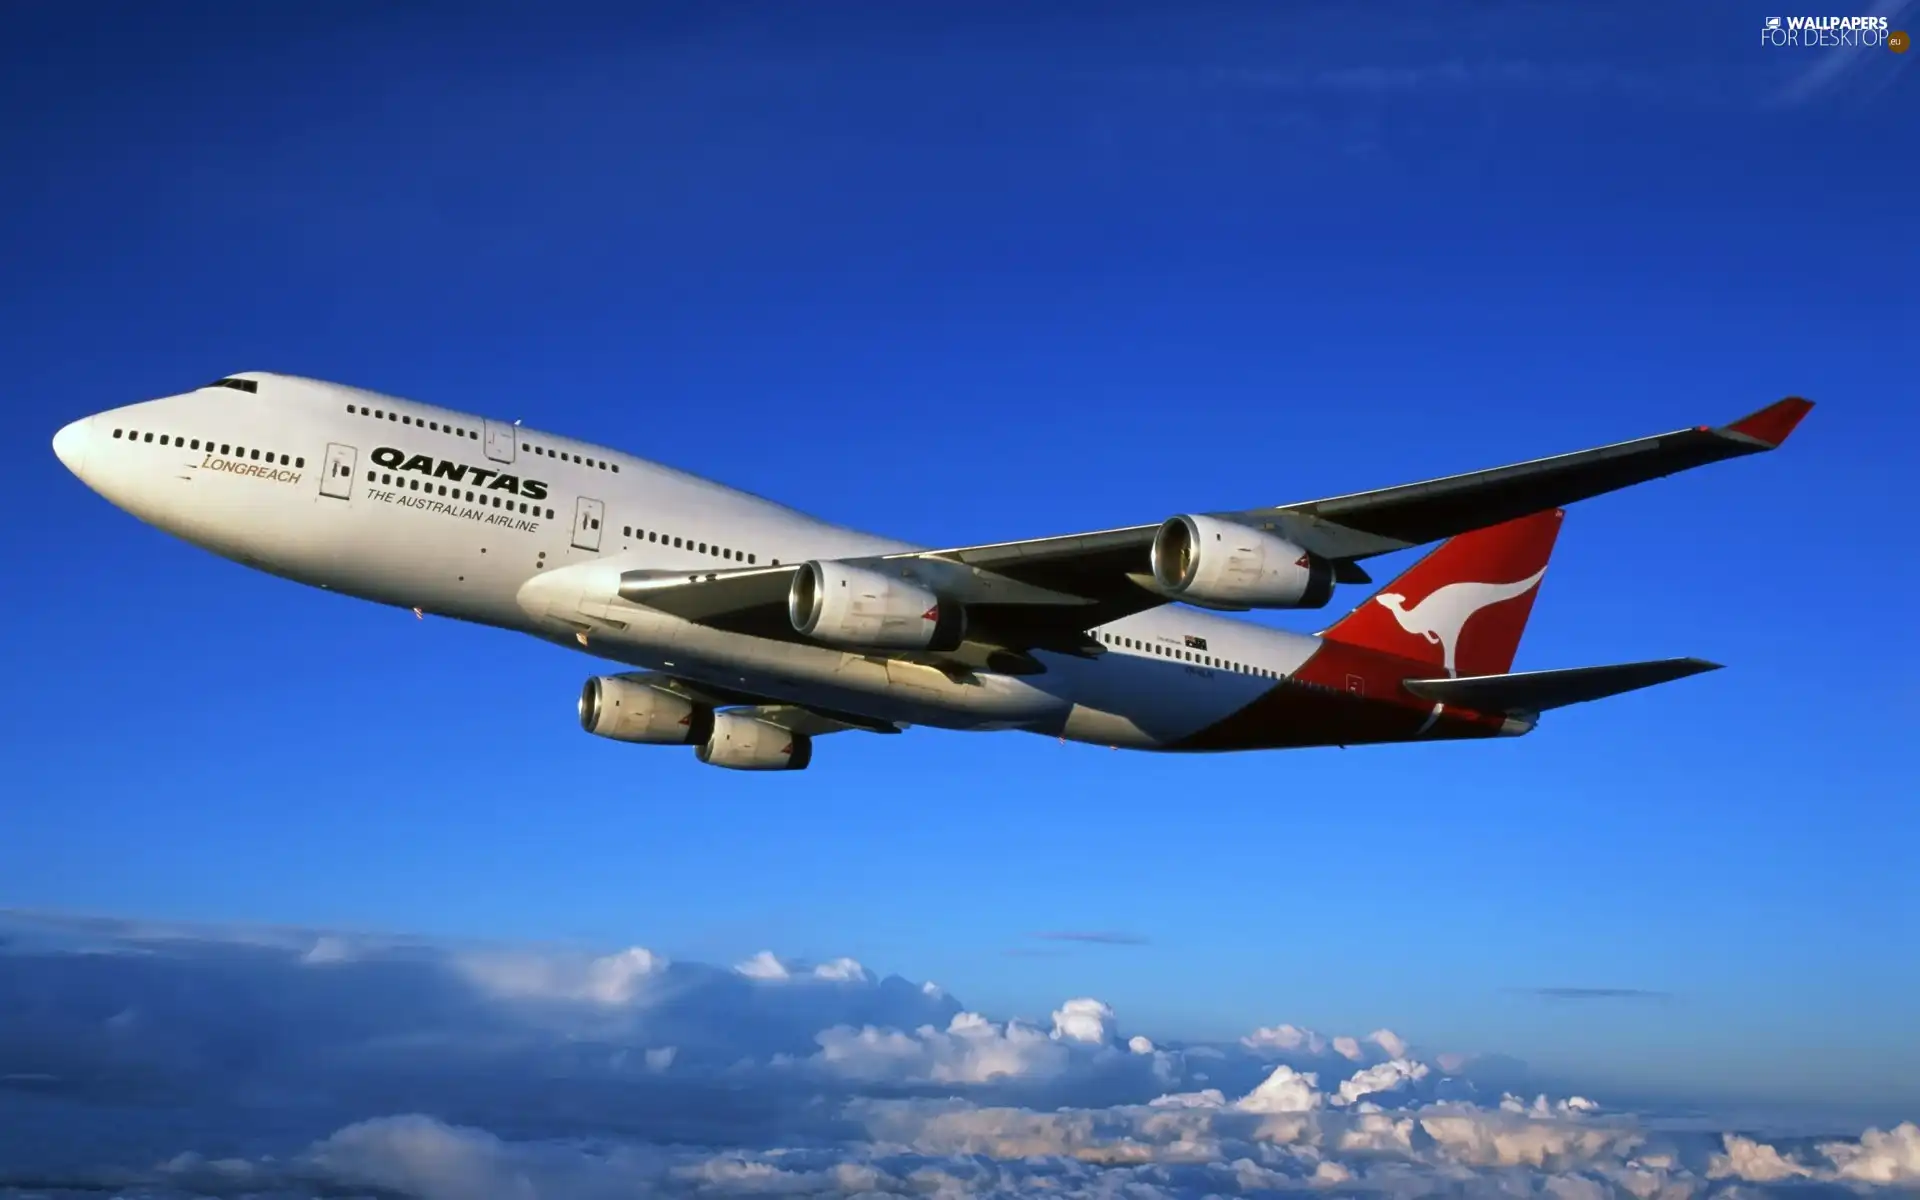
(1196, 643)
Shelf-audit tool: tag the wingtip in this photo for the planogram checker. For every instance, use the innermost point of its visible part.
(1772, 425)
(1684, 667)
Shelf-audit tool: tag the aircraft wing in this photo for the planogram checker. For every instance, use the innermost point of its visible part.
(1413, 514)
(1044, 593)
(1364, 524)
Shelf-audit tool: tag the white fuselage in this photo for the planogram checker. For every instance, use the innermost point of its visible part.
(427, 508)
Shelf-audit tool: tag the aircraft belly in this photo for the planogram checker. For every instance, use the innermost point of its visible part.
(1147, 703)
(370, 553)
(564, 603)
(868, 685)
(281, 532)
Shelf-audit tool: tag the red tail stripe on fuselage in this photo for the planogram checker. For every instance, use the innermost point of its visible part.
(1343, 695)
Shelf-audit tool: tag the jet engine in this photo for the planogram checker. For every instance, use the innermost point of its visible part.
(627, 711)
(864, 609)
(744, 743)
(1211, 561)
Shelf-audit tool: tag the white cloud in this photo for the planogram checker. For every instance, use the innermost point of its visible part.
(971, 1049)
(1376, 1133)
(1084, 1020)
(764, 966)
(1543, 1107)
(843, 970)
(551, 1073)
(1389, 1041)
(1388, 1076)
(1285, 1038)
(1747, 1159)
(1284, 1091)
(614, 980)
(1479, 1138)
(1889, 1157)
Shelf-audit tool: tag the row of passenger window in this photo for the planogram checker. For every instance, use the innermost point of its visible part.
(598, 464)
(662, 539)
(1204, 660)
(225, 450)
(381, 414)
(484, 500)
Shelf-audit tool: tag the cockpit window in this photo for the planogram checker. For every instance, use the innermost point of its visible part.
(238, 385)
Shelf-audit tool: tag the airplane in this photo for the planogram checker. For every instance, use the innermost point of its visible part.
(747, 629)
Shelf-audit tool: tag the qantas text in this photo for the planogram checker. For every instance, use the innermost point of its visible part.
(439, 468)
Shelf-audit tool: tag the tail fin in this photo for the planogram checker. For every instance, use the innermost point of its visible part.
(1461, 608)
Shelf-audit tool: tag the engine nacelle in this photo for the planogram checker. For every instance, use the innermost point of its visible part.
(865, 609)
(1212, 561)
(626, 711)
(743, 743)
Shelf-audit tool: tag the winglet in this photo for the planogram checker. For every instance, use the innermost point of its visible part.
(1771, 425)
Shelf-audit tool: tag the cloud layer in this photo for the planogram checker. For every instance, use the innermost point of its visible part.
(169, 1062)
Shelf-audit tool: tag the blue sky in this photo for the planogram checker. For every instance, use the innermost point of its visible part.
(963, 273)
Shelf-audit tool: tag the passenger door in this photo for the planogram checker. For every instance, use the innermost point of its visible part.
(500, 441)
(586, 523)
(336, 475)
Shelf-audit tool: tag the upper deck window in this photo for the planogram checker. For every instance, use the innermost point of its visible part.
(250, 386)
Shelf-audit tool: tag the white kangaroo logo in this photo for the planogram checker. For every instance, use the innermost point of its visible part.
(1443, 614)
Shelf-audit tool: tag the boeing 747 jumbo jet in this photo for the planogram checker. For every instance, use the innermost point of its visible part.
(756, 628)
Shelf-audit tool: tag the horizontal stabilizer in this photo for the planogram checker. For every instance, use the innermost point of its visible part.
(1532, 692)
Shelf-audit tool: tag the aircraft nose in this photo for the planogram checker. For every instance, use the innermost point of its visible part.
(70, 444)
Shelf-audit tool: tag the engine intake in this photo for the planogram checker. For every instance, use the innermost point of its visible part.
(1213, 561)
(743, 743)
(862, 608)
(626, 711)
